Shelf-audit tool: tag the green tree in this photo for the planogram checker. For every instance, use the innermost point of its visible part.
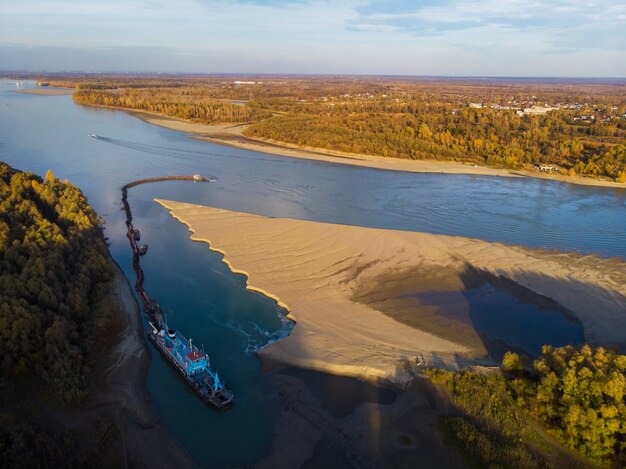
(512, 363)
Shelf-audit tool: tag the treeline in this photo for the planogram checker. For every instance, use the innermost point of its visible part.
(115, 86)
(578, 394)
(309, 88)
(471, 135)
(54, 266)
(183, 103)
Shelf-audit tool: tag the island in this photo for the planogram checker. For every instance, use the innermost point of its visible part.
(343, 284)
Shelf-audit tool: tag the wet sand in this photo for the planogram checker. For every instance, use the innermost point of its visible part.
(231, 135)
(381, 432)
(446, 302)
(321, 273)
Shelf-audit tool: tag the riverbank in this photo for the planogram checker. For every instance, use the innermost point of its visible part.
(116, 422)
(231, 135)
(334, 279)
(145, 436)
(119, 392)
(48, 91)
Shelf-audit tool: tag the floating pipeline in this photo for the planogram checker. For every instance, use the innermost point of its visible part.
(192, 364)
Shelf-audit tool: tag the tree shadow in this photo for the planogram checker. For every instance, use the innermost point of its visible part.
(574, 312)
(492, 313)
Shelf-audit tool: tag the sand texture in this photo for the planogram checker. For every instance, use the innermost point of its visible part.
(322, 272)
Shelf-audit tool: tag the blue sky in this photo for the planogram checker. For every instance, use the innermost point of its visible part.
(448, 37)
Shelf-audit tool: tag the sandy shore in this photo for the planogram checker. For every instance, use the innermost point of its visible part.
(48, 91)
(231, 135)
(325, 273)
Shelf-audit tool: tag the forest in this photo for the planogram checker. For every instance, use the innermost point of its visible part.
(186, 104)
(580, 128)
(577, 394)
(54, 267)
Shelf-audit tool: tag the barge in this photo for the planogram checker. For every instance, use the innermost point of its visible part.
(191, 363)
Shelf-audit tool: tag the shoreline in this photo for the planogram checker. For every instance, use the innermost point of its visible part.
(121, 391)
(48, 91)
(359, 371)
(231, 135)
(319, 267)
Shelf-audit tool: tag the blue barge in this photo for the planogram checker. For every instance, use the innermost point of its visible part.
(191, 363)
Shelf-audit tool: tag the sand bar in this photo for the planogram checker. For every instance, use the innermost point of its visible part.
(231, 135)
(49, 91)
(315, 270)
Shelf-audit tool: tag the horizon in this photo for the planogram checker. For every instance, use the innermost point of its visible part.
(32, 74)
(303, 37)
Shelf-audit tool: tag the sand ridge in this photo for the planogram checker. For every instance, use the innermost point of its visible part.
(313, 270)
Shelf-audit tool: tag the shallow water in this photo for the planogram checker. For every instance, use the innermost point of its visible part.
(210, 304)
(502, 317)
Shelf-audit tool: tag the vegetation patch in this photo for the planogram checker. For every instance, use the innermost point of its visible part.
(54, 274)
(487, 449)
(577, 394)
(54, 266)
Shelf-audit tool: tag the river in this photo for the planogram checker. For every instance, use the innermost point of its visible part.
(207, 302)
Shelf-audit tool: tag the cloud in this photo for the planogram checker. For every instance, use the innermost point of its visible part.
(558, 20)
(344, 36)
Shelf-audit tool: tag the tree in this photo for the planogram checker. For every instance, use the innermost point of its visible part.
(49, 177)
(512, 363)
(54, 267)
(580, 394)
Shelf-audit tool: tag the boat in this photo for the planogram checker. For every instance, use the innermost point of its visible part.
(193, 364)
(93, 135)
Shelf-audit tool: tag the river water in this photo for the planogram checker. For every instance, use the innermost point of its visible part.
(206, 301)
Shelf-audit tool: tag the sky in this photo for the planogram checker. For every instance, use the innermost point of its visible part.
(561, 38)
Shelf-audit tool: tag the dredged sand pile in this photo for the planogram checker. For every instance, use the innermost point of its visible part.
(316, 270)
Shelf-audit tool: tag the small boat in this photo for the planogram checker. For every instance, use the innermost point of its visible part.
(93, 135)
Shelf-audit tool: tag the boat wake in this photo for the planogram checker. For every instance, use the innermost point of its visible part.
(190, 155)
(255, 336)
